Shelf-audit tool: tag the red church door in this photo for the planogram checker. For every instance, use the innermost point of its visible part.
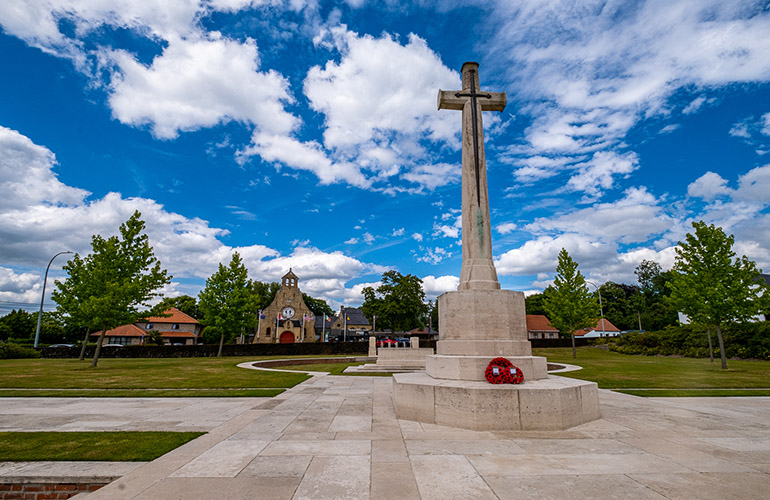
(287, 338)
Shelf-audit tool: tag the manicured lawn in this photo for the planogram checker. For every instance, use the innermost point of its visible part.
(621, 371)
(91, 446)
(130, 377)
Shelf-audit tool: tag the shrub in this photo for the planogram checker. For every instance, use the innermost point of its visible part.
(747, 341)
(14, 351)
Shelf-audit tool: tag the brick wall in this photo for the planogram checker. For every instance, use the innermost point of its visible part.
(45, 491)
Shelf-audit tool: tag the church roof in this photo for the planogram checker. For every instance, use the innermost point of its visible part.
(290, 274)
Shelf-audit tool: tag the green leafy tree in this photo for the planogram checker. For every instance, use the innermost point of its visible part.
(570, 306)
(71, 296)
(18, 325)
(265, 293)
(712, 286)
(655, 310)
(184, 303)
(318, 306)
(398, 303)
(228, 302)
(117, 279)
(535, 303)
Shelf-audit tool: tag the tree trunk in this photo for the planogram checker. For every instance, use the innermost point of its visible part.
(83, 347)
(721, 348)
(711, 349)
(574, 352)
(221, 343)
(99, 346)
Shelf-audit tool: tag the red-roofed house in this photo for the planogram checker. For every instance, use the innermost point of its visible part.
(603, 328)
(538, 327)
(177, 328)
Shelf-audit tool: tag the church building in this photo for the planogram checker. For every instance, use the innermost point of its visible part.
(287, 319)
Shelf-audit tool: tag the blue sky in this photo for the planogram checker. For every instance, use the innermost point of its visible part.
(305, 134)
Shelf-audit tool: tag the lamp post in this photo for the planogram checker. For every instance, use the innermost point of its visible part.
(42, 297)
(601, 309)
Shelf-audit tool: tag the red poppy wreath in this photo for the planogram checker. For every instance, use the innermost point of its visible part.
(502, 371)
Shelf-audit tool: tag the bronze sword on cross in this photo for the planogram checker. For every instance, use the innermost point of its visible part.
(493, 101)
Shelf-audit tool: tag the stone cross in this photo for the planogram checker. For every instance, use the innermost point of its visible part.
(478, 270)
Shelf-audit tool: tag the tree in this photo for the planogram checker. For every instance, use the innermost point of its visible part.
(228, 303)
(18, 324)
(570, 306)
(319, 307)
(653, 305)
(184, 303)
(108, 287)
(398, 303)
(711, 285)
(264, 293)
(535, 303)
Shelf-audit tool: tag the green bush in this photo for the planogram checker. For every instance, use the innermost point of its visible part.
(14, 351)
(746, 341)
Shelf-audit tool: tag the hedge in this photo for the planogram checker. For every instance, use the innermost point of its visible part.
(745, 341)
(15, 351)
(210, 350)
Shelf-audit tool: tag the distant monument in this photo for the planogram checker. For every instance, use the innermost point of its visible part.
(480, 321)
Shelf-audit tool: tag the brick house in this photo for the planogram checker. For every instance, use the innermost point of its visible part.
(177, 328)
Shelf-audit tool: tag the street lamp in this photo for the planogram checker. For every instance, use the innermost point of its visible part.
(601, 311)
(42, 297)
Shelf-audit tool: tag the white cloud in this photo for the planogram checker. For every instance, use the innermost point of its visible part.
(599, 172)
(632, 219)
(669, 128)
(540, 255)
(368, 238)
(432, 255)
(588, 73)
(200, 83)
(398, 232)
(47, 217)
(351, 241)
(754, 185)
(696, 104)
(506, 227)
(434, 286)
(417, 236)
(708, 186)
(766, 124)
(448, 230)
(740, 129)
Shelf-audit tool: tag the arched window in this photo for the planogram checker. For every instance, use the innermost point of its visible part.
(148, 327)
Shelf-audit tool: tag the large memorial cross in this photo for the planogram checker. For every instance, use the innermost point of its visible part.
(478, 270)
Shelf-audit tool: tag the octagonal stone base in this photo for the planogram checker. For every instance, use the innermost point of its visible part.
(554, 403)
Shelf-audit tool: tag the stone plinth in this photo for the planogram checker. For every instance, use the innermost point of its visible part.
(476, 326)
(554, 403)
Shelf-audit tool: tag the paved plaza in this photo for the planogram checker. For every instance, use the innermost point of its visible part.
(336, 437)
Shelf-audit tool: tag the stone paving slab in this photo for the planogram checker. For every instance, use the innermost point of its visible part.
(337, 437)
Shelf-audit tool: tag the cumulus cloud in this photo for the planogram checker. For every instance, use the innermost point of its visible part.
(635, 218)
(708, 186)
(433, 286)
(47, 216)
(200, 83)
(506, 227)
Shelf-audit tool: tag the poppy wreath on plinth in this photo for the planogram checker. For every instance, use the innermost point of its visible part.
(502, 371)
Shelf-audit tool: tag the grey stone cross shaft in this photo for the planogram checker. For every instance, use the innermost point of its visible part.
(478, 271)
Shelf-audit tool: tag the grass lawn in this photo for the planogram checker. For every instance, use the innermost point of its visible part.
(680, 376)
(91, 446)
(166, 377)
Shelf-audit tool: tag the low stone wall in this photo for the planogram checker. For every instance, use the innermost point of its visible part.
(403, 356)
(45, 491)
